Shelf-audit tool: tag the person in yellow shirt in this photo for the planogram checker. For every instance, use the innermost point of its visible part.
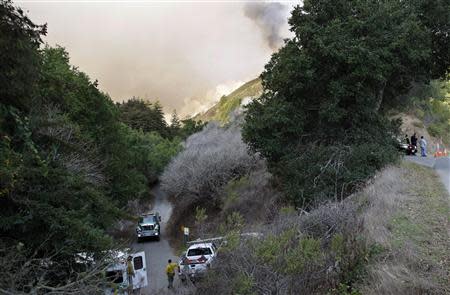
(170, 271)
(130, 272)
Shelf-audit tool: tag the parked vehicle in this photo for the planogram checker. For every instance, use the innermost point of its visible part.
(117, 275)
(411, 150)
(148, 226)
(407, 148)
(197, 259)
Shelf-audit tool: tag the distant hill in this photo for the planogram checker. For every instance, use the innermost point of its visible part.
(229, 103)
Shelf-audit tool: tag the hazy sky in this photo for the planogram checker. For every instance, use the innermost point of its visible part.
(186, 54)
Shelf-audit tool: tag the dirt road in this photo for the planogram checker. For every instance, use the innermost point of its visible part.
(157, 252)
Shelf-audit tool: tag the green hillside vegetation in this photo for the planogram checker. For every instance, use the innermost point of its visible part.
(323, 122)
(389, 238)
(143, 115)
(434, 110)
(68, 165)
(323, 179)
(313, 166)
(223, 109)
(148, 117)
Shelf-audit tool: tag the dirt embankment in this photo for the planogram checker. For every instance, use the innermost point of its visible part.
(411, 125)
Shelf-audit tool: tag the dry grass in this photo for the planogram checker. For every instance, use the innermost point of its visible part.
(408, 222)
(251, 197)
(397, 228)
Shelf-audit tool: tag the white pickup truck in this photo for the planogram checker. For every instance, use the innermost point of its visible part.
(196, 261)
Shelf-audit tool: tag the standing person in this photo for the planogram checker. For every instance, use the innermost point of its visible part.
(170, 271)
(423, 146)
(407, 139)
(130, 273)
(413, 144)
(414, 140)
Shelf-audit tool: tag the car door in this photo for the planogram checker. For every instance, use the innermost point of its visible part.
(140, 279)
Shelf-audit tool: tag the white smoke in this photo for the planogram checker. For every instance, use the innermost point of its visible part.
(197, 105)
(271, 18)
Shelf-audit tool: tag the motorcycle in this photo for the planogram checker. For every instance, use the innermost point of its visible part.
(406, 147)
(411, 150)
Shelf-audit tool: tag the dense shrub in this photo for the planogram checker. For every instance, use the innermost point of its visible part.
(431, 103)
(316, 173)
(67, 164)
(307, 254)
(437, 114)
(252, 196)
(20, 62)
(150, 152)
(331, 85)
(143, 115)
(209, 160)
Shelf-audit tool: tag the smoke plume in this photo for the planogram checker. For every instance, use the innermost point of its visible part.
(186, 55)
(270, 17)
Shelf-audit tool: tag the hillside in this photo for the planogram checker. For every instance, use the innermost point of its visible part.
(223, 109)
(430, 118)
(405, 225)
(429, 111)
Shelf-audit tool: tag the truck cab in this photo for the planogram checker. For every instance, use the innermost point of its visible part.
(148, 226)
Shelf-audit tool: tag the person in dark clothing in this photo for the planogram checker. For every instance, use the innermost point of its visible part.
(414, 140)
(407, 139)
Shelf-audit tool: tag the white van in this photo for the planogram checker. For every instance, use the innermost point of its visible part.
(116, 274)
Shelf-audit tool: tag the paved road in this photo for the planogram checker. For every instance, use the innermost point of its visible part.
(157, 252)
(442, 167)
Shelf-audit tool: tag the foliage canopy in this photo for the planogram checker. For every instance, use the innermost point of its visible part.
(68, 165)
(321, 120)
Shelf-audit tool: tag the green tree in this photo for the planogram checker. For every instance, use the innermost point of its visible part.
(67, 164)
(96, 118)
(140, 114)
(19, 59)
(175, 121)
(190, 126)
(150, 152)
(327, 90)
(52, 183)
(175, 124)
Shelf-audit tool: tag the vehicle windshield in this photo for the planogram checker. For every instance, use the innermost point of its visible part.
(148, 219)
(199, 252)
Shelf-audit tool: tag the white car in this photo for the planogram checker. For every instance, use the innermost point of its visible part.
(197, 260)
